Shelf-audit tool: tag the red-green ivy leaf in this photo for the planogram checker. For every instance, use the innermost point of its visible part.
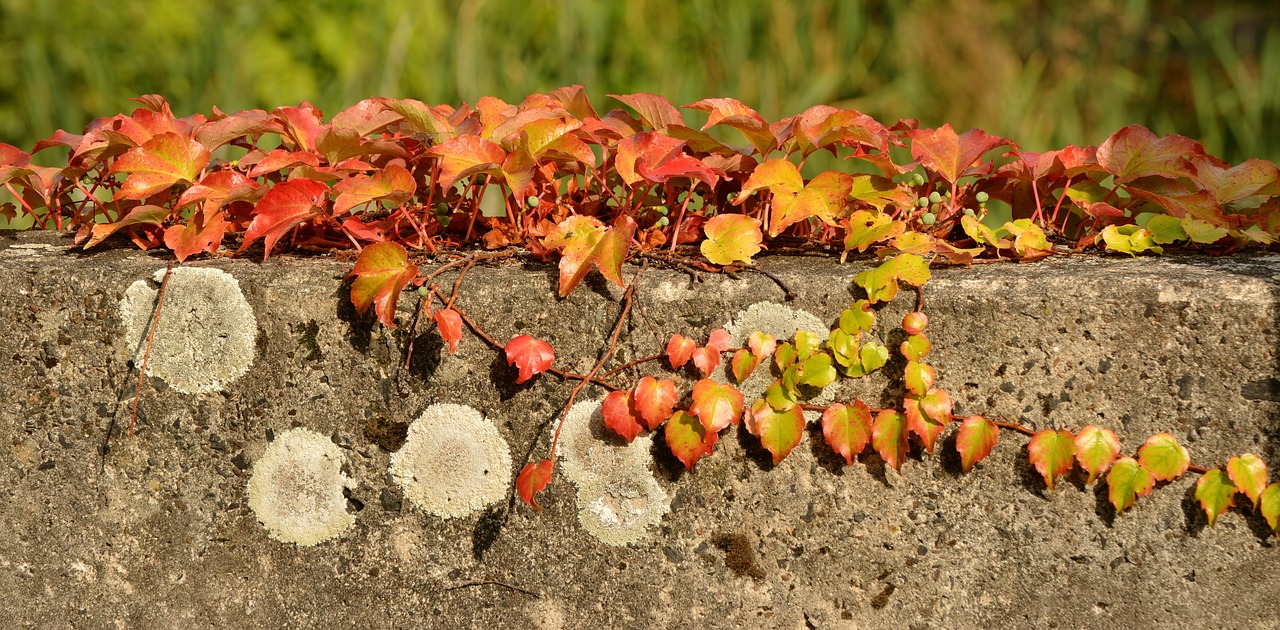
(847, 428)
(393, 184)
(1269, 505)
(889, 436)
(1127, 481)
(285, 206)
(620, 414)
(727, 111)
(688, 439)
(1249, 473)
(731, 238)
(948, 154)
(743, 364)
(779, 431)
(164, 160)
(450, 324)
(533, 480)
(919, 377)
(1096, 448)
(716, 405)
(928, 415)
(655, 110)
(1216, 493)
(221, 188)
(140, 215)
(1164, 457)
(655, 400)
(531, 356)
(680, 350)
(465, 156)
(585, 241)
(1052, 453)
(974, 441)
(202, 233)
(1135, 152)
(381, 273)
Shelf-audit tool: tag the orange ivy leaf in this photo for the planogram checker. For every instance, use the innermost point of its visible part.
(1052, 453)
(450, 324)
(731, 112)
(974, 441)
(1216, 493)
(584, 241)
(743, 364)
(688, 439)
(465, 156)
(706, 360)
(1096, 448)
(928, 415)
(620, 414)
(1249, 473)
(1269, 505)
(779, 431)
(762, 345)
(531, 356)
(1135, 152)
(164, 160)
(948, 154)
(680, 350)
(889, 436)
(655, 400)
(284, 207)
(533, 480)
(1164, 457)
(1127, 481)
(140, 215)
(202, 233)
(654, 110)
(731, 238)
(381, 273)
(719, 340)
(716, 405)
(393, 184)
(847, 428)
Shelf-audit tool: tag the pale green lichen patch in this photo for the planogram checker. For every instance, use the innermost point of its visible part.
(453, 462)
(588, 449)
(296, 488)
(205, 337)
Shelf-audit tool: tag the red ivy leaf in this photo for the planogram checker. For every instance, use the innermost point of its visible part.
(450, 324)
(278, 160)
(161, 162)
(221, 187)
(679, 350)
(140, 215)
(847, 428)
(655, 399)
(646, 149)
(716, 405)
(974, 441)
(584, 241)
(285, 206)
(533, 480)
(394, 184)
(366, 118)
(531, 356)
(620, 414)
(382, 272)
(731, 112)
(201, 234)
(950, 155)
(302, 125)
(889, 436)
(1052, 453)
(1135, 152)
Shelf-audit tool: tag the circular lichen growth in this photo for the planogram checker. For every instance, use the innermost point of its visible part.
(589, 449)
(618, 510)
(296, 488)
(206, 333)
(782, 322)
(453, 462)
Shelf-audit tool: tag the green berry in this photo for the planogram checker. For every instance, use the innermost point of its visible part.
(968, 212)
(982, 197)
(923, 202)
(532, 201)
(662, 210)
(422, 292)
(928, 218)
(934, 197)
(918, 179)
(663, 222)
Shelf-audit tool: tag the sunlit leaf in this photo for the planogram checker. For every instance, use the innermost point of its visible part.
(731, 238)
(847, 428)
(285, 206)
(465, 156)
(203, 232)
(1126, 482)
(680, 350)
(532, 480)
(975, 439)
(716, 405)
(1164, 457)
(1269, 505)
(1135, 152)
(585, 241)
(161, 162)
(1096, 448)
(392, 183)
(655, 400)
(1052, 453)
(1249, 473)
(779, 431)
(950, 155)
(620, 414)
(450, 324)
(1216, 493)
(531, 356)
(889, 436)
(381, 273)
(730, 112)
(688, 440)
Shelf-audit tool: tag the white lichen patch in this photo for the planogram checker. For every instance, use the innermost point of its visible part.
(453, 462)
(618, 510)
(296, 488)
(782, 322)
(206, 333)
(588, 449)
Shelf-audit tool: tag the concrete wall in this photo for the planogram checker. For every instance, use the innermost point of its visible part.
(159, 532)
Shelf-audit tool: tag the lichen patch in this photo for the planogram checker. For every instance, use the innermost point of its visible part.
(588, 449)
(782, 322)
(296, 488)
(453, 462)
(618, 510)
(206, 333)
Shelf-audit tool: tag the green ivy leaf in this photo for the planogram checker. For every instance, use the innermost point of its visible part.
(919, 377)
(1096, 448)
(1164, 457)
(1201, 231)
(1216, 493)
(817, 371)
(1269, 504)
(1165, 229)
(916, 347)
(1249, 473)
(1052, 453)
(1126, 482)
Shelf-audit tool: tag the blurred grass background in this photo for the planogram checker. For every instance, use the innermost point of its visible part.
(1043, 72)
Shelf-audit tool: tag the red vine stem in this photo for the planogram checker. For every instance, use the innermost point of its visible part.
(631, 364)
(151, 337)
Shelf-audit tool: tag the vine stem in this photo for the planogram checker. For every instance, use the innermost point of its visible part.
(631, 364)
(151, 337)
(492, 583)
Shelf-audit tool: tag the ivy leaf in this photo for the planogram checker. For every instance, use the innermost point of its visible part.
(620, 414)
(1239, 182)
(533, 480)
(1135, 152)
(285, 206)
(889, 436)
(847, 428)
(817, 371)
(858, 318)
(221, 188)
(1270, 506)
(864, 229)
(919, 377)
(680, 350)
(531, 356)
(742, 364)
(164, 160)
(727, 111)
(393, 183)
(762, 345)
(654, 110)
(928, 415)
(706, 360)
(730, 238)
(974, 441)
(949, 155)
(688, 440)
(465, 156)
(1216, 493)
(450, 324)
(1096, 448)
(655, 400)
(1052, 453)
(1249, 473)
(719, 340)
(645, 149)
(881, 283)
(1165, 229)
(139, 215)
(779, 431)
(1163, 457)
(1126, 482)
(716, 405)
(1201, 231)
(585, 241)
(381, 273)
(202, 233)
(1129, 239)
(779, 176)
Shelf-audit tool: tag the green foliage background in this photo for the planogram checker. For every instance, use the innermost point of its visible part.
(1044, 73)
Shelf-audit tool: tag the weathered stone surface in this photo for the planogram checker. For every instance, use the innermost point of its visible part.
(158, 533)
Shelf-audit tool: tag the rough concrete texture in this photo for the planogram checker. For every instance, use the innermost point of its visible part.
(158, 533)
